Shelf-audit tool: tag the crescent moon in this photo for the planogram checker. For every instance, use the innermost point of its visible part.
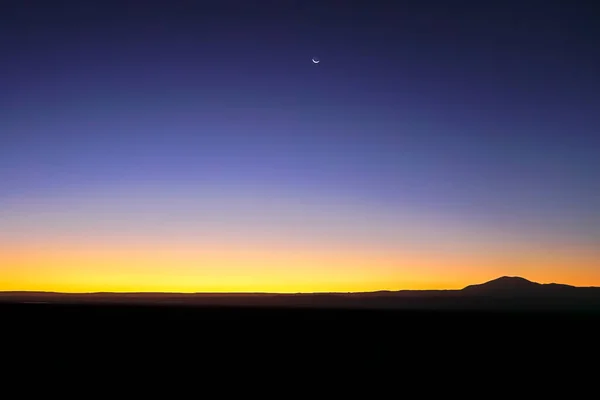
(316, 61)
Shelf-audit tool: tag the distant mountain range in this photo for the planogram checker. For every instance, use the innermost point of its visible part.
(501, 293)
(512, 285)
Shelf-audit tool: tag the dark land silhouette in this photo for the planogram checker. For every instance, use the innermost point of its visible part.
(510, 293)
(507, 321)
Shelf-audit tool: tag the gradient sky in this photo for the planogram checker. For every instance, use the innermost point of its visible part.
(194, 146)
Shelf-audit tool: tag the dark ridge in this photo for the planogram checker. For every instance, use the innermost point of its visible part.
(512, 286)
(507, 292)
(504, 283)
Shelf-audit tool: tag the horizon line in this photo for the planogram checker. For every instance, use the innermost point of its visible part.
(283, 293)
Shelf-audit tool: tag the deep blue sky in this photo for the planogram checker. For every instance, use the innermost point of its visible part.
(483, 111)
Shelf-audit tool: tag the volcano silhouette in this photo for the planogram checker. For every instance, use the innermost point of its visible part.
(516, 286)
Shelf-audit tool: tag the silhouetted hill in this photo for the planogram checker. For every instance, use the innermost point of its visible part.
(515, 286)
(506, 283)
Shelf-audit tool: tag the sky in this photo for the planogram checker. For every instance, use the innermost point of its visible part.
(195, 147)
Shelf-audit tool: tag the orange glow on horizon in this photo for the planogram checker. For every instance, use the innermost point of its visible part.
(178, 243)
(184, 269)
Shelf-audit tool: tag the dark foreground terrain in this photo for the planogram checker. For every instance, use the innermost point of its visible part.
(231, 347)
(497, 330)
(278, 331)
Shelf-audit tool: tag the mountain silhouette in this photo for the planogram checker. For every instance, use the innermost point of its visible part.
(517, 286)
(504, 283)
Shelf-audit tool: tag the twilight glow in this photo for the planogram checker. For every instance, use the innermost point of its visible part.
(207, 153)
